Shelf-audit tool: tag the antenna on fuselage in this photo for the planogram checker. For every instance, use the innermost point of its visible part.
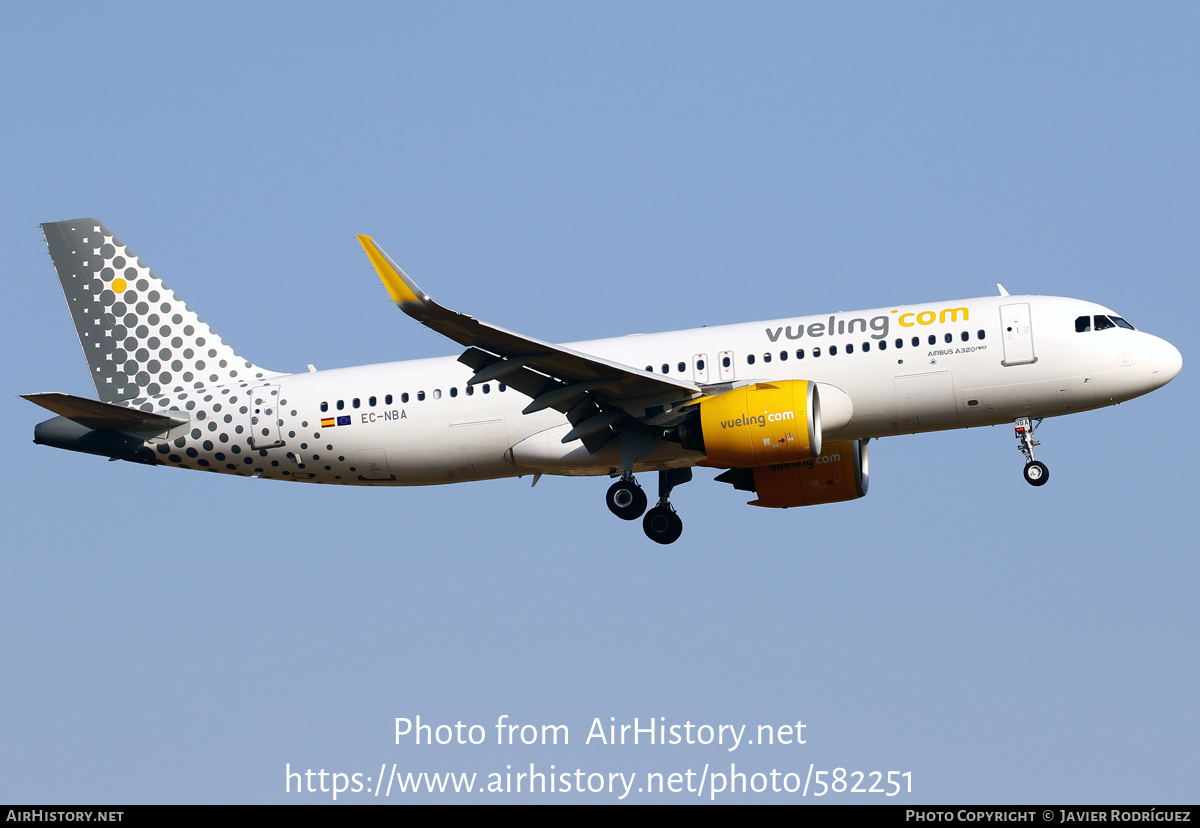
(1003, 292)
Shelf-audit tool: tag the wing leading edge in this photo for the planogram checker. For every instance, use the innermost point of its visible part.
(596, 394)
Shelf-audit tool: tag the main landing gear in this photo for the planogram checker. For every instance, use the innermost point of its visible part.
(627, 501)
(1036, 473)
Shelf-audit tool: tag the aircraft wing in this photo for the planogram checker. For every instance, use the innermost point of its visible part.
(594, 393)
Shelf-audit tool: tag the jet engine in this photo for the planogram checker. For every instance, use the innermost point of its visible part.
(756, 425)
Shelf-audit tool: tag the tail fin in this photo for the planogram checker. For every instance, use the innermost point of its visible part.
(139, 338)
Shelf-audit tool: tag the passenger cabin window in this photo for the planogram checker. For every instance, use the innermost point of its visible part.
(404, 397)
(420, 396)
(816, 352)
(932, 339)
(916, 342)
(783, 355)
(470, 390)
(454, 392)
(437, 393)
(371, 402)
(799, 353)
(356, 402)
(833, 350)
(849, 349)
(749, 359)
(766, 357)
(682, 367)
(341, 404)
(981, 333)
(666, 368)
(324, 406)
(949, 338)
(966, 336)
(387, 400)
(725, 362)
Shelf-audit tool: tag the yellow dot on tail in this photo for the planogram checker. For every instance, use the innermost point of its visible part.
(118, 285)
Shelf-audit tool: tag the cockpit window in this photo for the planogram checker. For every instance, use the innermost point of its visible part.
(1083, 324)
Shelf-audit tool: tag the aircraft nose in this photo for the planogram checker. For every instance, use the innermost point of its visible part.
(1165, 362)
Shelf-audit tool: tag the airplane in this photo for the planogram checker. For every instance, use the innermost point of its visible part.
(786, 407)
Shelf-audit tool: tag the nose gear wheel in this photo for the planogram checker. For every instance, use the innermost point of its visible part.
(1036, 473)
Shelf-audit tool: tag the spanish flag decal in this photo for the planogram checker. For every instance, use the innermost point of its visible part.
(326, 422)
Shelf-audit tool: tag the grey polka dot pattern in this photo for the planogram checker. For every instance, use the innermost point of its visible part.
(148, 350)
(140, 339)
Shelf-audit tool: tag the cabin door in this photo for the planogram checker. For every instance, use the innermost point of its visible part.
(1017, 330)
(264, 417)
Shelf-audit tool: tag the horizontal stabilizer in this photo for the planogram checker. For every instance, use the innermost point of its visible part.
(104, 416)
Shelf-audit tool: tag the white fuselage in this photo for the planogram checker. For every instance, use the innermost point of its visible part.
(902, 370)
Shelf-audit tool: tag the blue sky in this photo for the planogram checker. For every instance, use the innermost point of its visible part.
(574, 171)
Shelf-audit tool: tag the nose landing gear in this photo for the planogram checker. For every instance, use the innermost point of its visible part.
(1036, 473)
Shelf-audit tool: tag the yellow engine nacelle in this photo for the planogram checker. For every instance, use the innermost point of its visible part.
(839, 473)
(757, 425)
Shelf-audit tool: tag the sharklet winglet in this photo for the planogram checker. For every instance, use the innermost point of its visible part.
(399, 286)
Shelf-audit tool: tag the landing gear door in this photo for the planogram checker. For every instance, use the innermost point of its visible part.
(1017, 330)
(264, 417)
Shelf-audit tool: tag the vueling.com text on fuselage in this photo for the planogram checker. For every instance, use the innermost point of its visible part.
(879, 325)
